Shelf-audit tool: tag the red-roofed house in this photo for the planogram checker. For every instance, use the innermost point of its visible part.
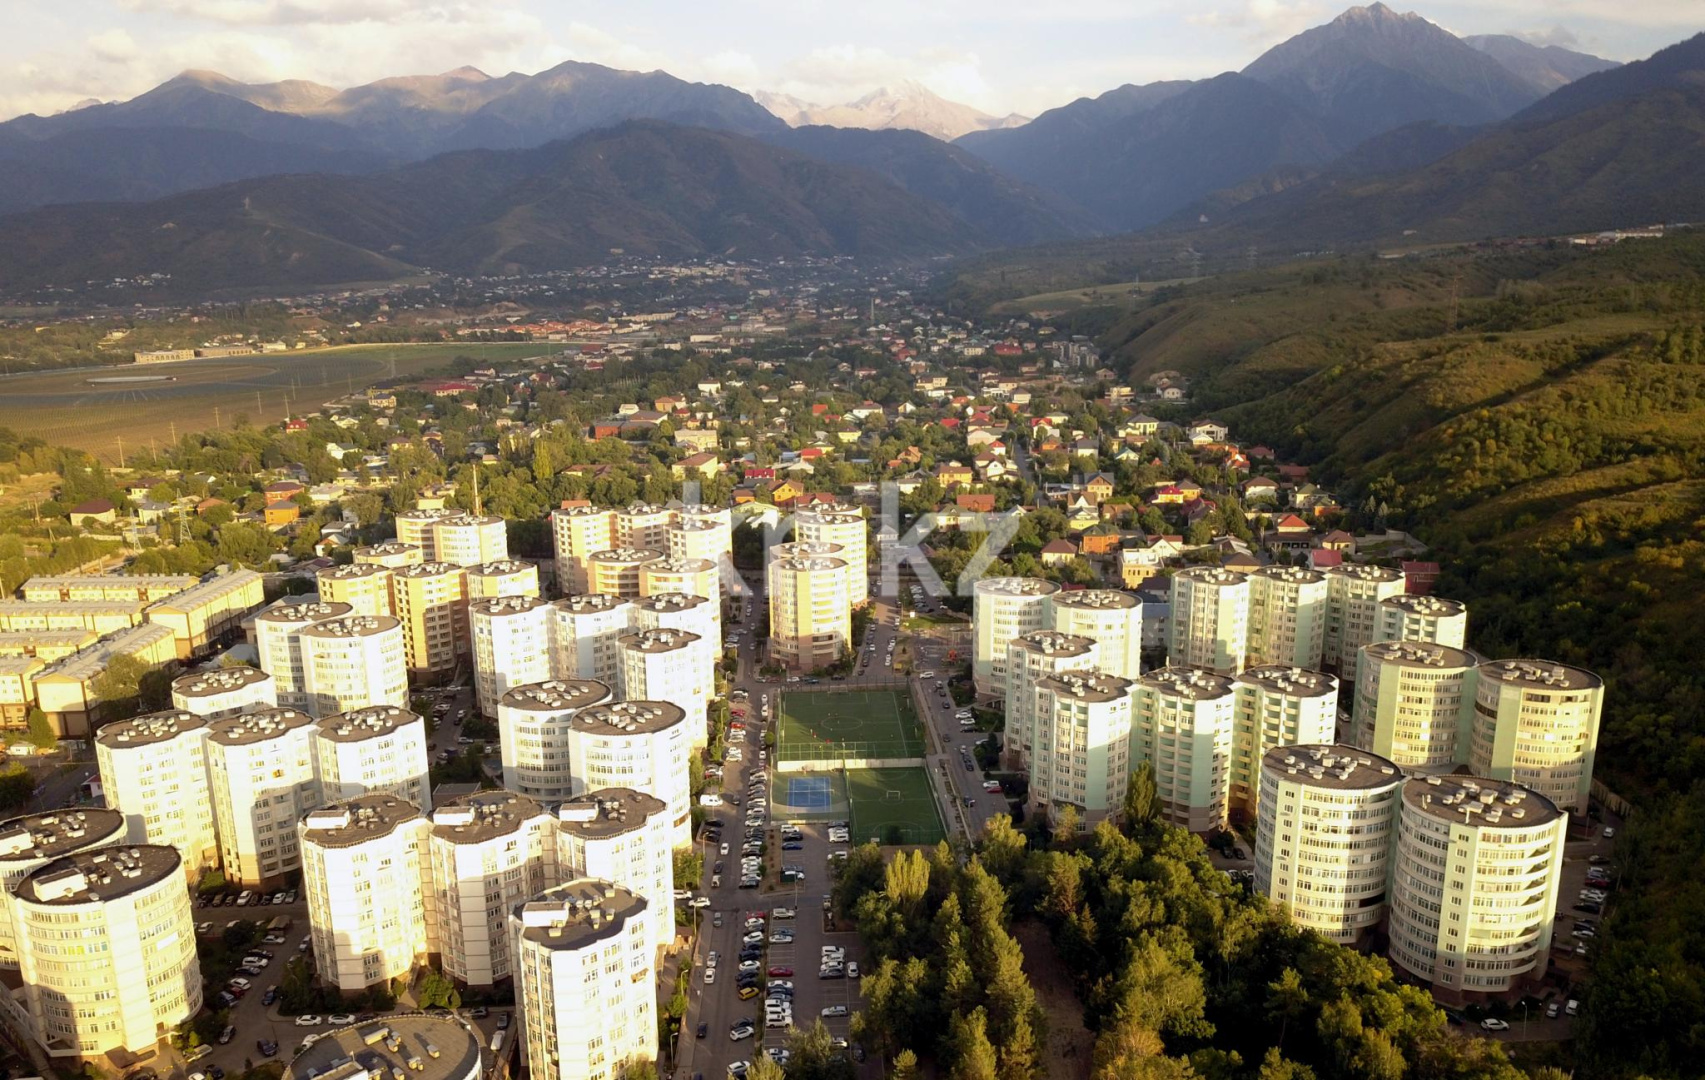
(982, 503)
(1058, 552)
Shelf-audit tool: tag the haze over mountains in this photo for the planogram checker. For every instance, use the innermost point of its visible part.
(1373, 125)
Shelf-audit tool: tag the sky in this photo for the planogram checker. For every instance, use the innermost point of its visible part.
(998, 55)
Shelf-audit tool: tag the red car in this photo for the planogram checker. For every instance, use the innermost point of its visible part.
(780, 972)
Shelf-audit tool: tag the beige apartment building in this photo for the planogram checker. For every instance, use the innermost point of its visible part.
(1535, 722)
(1414, 703)
(353, 662)
(503, 577)
(1080, 756)
(431, 602)
(1112, 618)
(512, 645)
(490, 851)
(577, 533)
(1003, 609)
(583, 636)
(260, 774)
(624, 836)
(365, 876)
(278, 641)
(847, 529)
(616, 572)
(153, 770)
(1287, 616)
(1183, 721)
(35, 840)
(365, 587)
(810, 611)
(690, 577)
(392, 555)
(642, 745)
(374, 748)
(1029, 659)
(533, 734)
(222, 692)
(1353, 595)
(1209, 620)
(1276, 706)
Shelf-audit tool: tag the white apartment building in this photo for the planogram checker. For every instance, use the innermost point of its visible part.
(810, 610)
(583, 636)
(470, 540)
(1004, 608)
(1535, 723)
(847, 529)
(431, 603)
(392, 554)
(1407, 617)
(1081, 754)
(615, 572)
(532, 727)
(365, 587)
(585, 981)
(418, 529)
(376, 748)
(222, 692)
(154, 771)
(1182, 721)
(260, 775)
(512, 645)
(503, 577)
(699, 615)
(132, 974)
(667, 665)
(1324, 836)
(624, 836)
(577, 532)
(1277, 706)
(1414, 703)
(691, 577)
(1287, 616)
(644, 525)
(1029, 659)
(642, 745)
(1353, 595)
(37, 839)
(278, 643)
(490, 851)
(353, 661)
(1112, 618)
(365, 880)
(1474, 885)
(1209, 619)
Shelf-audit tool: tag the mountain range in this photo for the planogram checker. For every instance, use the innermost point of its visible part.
(908, 104)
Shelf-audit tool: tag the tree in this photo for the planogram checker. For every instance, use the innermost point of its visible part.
(1275, 1067)
(1003, 849)
(42, 732)
(1140, 799)
(1287, 999)
(973, 1055)
(437, 990)
(1067, 818)
(17, 787)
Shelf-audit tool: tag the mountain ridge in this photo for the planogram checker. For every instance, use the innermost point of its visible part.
(908, 104)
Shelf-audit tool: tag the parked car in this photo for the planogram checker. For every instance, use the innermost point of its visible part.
(1492, 1023)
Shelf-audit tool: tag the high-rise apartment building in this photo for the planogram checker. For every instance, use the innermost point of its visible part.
(615, 572)
(623, 836)
(1353, 595)
(1287, 616)
(364, 875)
(1414, 702)
(106, 950)
(504, 577)
(1325, 832)
(470, 540)
(1029, 659)
(365, 587)
(1408, 617)
(1535, 723)
(533, 734)
(1112, 618)
(667, 665)
(644, 525)
(1474, 885)
(585, 976)
(376, 748)
(642, 745)
(578, 532)
(846, 528)
(222, 692)
(154, 771)
(1003, 609)
(810, 610)
(392, 554)
(1182, 721)
(354, 661)
(278, 642)
(1209, 620)
(431, 603)
(1081, 753)
(512, 645)
(260, 775)
(583, 636)
(1277, 706)
(418, 529)
(35, 840)
(490, 851)
(691, 577)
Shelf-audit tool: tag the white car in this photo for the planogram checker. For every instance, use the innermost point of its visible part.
(1492, 1023)
(709, 975)
(340, 1019)
(852, 969)
(756, 922)
(835, 1010)
(782, 913)
(782, 937)
(736, 1034)
(308, 1020)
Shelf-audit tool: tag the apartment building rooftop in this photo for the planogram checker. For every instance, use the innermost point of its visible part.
(87, 877)
(1213, 575)
(256, 727)
(1295, 575)
(16, 609)
(49, 835)
(799, 549)
(501, 568)
(90, 662)
(427, 570)
(354, 570)
(412, 1045)
(607, 812)
(1016, 586)
(1540, 674)
(358, 820)
(1332, 765)
(578, 913)
(589, 603)
(1099, 599)
(582, 511)
(483, 815)
(1364, 572)
(808, 564)
(672, 601)
(311, 611)
(1433, 606)
(498, 606)
(64, 582)
(149, 728)
(218, 681)
(351, 626)
(629, 717)
(385, 550)
(1421, 654)
(681, 566)
(1090, 686)
(625, 555)
(1285, 679)
(1478, 801)
(556, 695)
(208, 591)
(1194, 684)
(368, 722)
(1053, 643)
(662, 640)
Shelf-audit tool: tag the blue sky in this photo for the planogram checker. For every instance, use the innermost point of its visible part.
(999, 55)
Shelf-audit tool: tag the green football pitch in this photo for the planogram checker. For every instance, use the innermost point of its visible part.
(893, 806)
(821, 725)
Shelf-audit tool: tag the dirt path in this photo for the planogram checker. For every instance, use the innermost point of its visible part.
(1069, 1043)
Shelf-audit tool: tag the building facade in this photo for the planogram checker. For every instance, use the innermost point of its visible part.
(1029, 659)
(533, 734)
(1408, 617)
(431, 603)
(1287, 616)
(1277, 706)
(1003, 609)
(490, 851)
(352, 662)
(667, 665)
(1112, 618)
(364, 876)
(278, 642)
(577, 532)
(1535, 722)
(261, 780)
(584, 630)
(644, 745)
(1414, 703)
(37, 839)
(154, 771)
(1209, 619)
(512, 645)
(503, 577)
(365, 587)
(1353, 595)
(1081, 753)
(615, 571)
(847, 529)
(376, 748)
(1182, 722)
(623, 836)
(810, 610)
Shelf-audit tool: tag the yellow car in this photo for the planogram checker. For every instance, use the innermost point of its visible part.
(747, 993)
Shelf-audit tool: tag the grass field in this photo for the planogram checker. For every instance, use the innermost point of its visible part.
(886, 800)
(822, 725)
(1119, 294)
(66, 409)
